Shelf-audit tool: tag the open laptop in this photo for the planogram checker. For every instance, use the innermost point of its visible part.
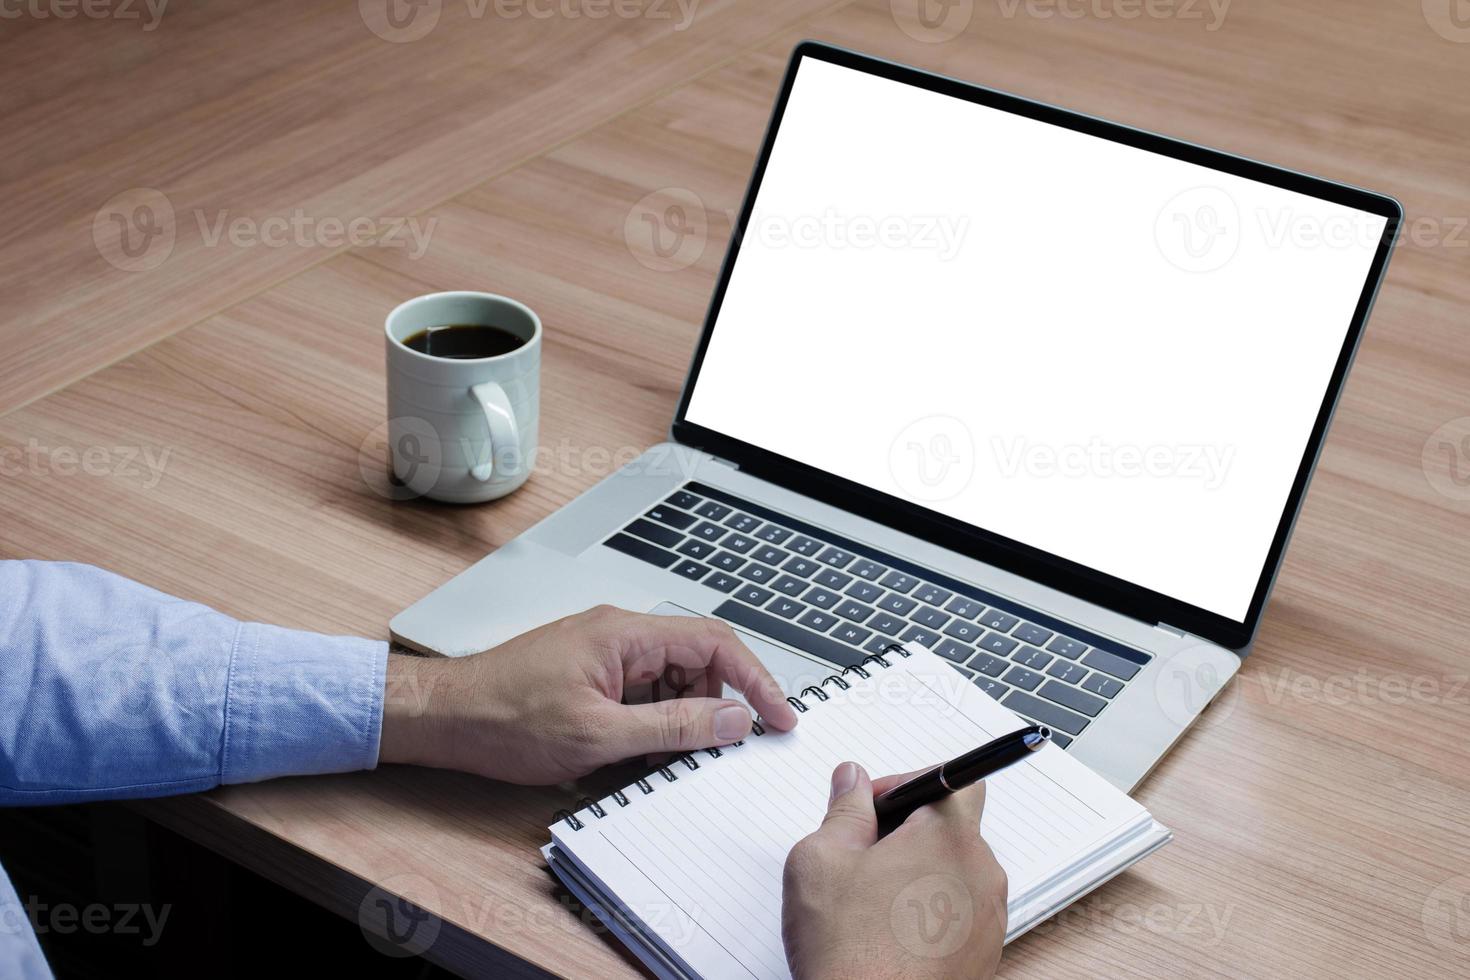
(1039, 391)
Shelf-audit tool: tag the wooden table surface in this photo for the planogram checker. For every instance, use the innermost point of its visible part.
(208, 423)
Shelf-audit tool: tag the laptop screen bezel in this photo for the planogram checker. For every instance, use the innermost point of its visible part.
(975, 542)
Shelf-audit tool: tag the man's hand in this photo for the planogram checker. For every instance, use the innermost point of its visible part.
(549, 705)
(928, 900)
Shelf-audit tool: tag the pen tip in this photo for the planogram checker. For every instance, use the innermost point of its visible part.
(1038, 738)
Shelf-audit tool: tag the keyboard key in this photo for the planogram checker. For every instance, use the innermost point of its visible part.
(855, 611)
(818, 620)
(1068, 696)
(957, 652)
(932, 594)
(851, 633)
(886, 623)
(650, 553)
(1064, 646)
(803, 545)
(773, 533)
(832, 578)
(713, 510)
(930, 617)
(993, 688)
(996, 643)
(753, 595)
(1045, 712)
(743, 523)
(726, 561)
(722, 582)
(789, 585)
(708, 532)
(739, 543)
(865, 591)
(685, 499)
(835, 557)
(800, 566)
(899, 582)
(895, 603)
(821, 598)
(1113, 664)
(1101, 684)
(965, 608)
(1060, 739)
(877, 643)
(991, 666)
(786, 608)
(1025, 679)
(1069, 672)
(671, 517)
(789, 633)
(656, 533)
(919, 635)
(966, 672)
(999, 621)
(691, 570)
(1031, 633)
(770, 554)
(698, 549)
(1031, 657)
(755, 572)
(869, 570)
(963, 630)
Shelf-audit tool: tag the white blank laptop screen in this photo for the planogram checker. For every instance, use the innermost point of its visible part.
(1101, 352)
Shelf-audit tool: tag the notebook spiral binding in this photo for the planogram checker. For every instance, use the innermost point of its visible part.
(644, 784)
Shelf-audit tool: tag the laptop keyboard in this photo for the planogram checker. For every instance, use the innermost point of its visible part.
(841, 601)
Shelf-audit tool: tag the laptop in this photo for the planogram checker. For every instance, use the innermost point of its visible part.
(1038, 391)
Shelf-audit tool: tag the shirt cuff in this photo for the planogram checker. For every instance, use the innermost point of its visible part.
(301, 703)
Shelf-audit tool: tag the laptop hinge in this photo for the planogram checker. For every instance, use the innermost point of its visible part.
(1171, 630)
(724, 462)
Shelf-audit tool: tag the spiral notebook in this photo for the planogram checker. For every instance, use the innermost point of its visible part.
(685, 865)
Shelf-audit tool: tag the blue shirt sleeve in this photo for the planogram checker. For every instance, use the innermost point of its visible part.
(109, 689)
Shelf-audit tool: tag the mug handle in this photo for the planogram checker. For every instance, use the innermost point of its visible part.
(505, 435)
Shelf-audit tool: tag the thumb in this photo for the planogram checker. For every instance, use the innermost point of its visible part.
(851, 820)
(676, 725)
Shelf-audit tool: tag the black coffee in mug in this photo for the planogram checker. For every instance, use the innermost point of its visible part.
(465, 341)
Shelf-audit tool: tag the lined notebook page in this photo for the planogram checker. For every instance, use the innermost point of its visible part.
(700, 860)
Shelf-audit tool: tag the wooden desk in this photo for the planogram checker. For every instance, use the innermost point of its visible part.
(1310, 841)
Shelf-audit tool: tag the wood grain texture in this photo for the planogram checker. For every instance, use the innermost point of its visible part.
(259, 134)
(1312, 839)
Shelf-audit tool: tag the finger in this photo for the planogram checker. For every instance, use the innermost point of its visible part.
(650, 645)
(851, 821)
(886, 783)
(678, 725)
(963, 809)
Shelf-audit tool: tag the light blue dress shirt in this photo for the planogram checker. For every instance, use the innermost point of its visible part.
(111, 690)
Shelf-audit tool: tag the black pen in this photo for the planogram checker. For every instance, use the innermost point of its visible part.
(895, 805)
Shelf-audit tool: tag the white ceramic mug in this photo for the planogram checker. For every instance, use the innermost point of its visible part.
(463, 430)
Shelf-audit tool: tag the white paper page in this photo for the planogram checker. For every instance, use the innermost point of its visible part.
(700, 860)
